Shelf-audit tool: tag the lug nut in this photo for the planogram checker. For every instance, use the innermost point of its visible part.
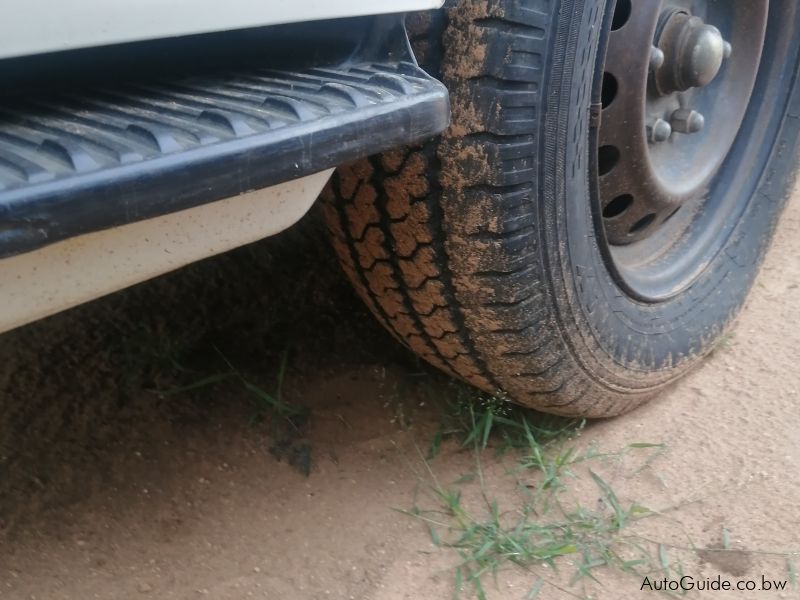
(686, 120)
(656, 58)
(659, 131)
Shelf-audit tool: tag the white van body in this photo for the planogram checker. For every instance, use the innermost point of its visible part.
(47, 280)
(39, 26)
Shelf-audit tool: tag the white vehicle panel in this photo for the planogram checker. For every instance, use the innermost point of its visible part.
(39, 26)
(57, 277)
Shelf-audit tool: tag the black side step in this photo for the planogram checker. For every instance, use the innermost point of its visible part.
(76, 162)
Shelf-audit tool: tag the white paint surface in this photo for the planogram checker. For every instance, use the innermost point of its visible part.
(62, 275)
(37, 26)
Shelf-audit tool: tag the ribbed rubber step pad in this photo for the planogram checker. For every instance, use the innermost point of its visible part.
(80, 161)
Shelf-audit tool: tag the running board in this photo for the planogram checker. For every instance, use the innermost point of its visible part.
(75, 162)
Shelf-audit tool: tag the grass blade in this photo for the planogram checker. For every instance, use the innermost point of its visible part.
(662, 558)
(269, 400)
(434, 536)
(487, 429)
(200, 383)
(436, 445)
(611, 497)
(534, 593)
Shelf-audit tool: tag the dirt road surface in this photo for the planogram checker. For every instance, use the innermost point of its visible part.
(121, 479)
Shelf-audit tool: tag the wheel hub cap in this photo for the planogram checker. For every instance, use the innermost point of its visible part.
(693, 53)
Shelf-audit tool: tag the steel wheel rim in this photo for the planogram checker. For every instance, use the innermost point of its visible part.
(648, 189)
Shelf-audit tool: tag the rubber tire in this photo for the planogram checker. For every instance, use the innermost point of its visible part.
(477, 250)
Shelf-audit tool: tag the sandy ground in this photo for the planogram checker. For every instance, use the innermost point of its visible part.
(111, 489)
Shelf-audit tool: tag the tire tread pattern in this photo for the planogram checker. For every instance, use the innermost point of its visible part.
(441, 241)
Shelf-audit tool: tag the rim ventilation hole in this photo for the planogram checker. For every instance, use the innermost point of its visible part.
(642, 223)
(617, 206)
(607, 159)
(622, 12)
(610, 88)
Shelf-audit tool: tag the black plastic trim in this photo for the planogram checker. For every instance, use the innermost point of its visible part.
(77, 161)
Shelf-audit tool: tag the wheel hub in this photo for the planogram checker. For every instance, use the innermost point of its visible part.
(693, 52)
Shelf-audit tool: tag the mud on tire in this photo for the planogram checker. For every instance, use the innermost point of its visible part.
(477, 250)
